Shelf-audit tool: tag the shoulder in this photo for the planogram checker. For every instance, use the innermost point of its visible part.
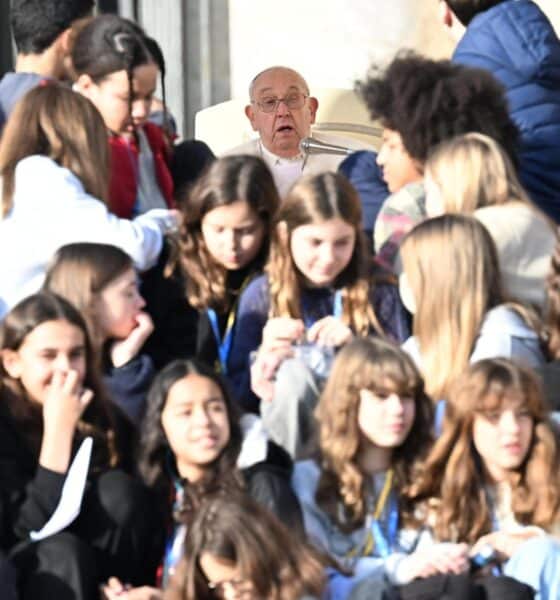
(41, 173)
(256, 290)
(305, 478)
(251, 147)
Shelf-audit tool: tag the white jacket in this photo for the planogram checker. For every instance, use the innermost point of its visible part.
(51, 209)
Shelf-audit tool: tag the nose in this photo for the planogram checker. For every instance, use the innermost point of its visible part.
(327, 254)
(140, 110)
(381, 156)
(395, 404)
(509, 423)
(200, 417)
(140, 301)
(63, 363)
(282, 108)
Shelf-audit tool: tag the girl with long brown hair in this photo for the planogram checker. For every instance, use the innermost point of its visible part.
(374, 422)
(236, 549)
(492, 480)
(318, 292)
(452, 283)
(52, 407)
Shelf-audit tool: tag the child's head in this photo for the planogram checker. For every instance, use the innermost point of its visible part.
(469, 172)
(373, 408)
(54, 121)
(226, 225)
(42, 335)
(422, 102)
(191, 426)
(317, 241)
(115, 70)
(451, 275)
(100, 281)
(496, 429)
(237, 549)
(38, 24)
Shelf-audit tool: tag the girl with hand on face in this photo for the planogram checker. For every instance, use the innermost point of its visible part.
(193, 445)
(452, 284)
(317, 292)
(236, 550)
(113, 67)
(51, 400)
(471, 174)
(492, 480)
(100, 281)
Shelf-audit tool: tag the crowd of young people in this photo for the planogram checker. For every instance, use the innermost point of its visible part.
(214, 392)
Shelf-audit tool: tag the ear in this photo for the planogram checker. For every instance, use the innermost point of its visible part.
(65, 41)
(11, 363)
(313, 105)
(250, 114)
(445, 14)
(84, 84)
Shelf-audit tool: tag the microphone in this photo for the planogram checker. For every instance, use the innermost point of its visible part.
(309, 145)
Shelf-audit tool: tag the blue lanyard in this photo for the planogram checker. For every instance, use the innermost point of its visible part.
(336, 313)
(223, 345)
(385, 543)
(175, 542)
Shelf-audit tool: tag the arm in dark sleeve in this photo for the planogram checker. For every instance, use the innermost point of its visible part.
(390, 311)
(252, 315)
(129, 384)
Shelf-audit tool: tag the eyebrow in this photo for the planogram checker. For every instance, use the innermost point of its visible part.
(266, 89)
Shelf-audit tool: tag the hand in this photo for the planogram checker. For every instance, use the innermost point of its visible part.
(263, 371)
(281, 332)
(505, 544)
(64, 403)
(115, 590)
(123, 351)
(440, 558)
(63, 406)
(329, 331)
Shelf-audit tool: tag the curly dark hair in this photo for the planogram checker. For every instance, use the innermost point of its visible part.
(428, 101)
(156, 461)
(466, 10)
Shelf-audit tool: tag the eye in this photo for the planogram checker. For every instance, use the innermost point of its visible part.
(216, 406)
(492, 415)
(77, 353)
(268, 102)
(342, 243)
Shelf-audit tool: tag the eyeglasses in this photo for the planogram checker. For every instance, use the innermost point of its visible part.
(237, 585)
(293, 101)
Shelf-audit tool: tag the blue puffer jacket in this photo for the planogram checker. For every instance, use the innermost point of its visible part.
(516, 42)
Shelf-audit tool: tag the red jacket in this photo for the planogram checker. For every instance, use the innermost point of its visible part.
(123, 184)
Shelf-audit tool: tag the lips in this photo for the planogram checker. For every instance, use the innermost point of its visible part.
(285, 129)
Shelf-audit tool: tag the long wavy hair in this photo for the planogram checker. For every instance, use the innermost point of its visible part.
(156, 460)
(239, 530)
(451, 265)
(80, 272)
(53, 121)
(381, 367)
(226, 181)
(97, 419)
(313, 200)
(452, 479)
(473, 171)
(551, 320)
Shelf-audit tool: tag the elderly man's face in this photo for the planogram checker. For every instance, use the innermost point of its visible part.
(282, 129)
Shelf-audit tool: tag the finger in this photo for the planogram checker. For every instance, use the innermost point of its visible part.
(71, 382)
(86, 397)
(144, 321)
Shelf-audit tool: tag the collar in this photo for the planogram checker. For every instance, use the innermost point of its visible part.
(273, 159)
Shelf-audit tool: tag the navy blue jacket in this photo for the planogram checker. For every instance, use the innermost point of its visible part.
(516, 42)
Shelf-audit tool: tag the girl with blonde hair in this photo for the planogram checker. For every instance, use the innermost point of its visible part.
(317, 293)
(54, 169)
(492, 480)
(451, 281)
(471, 174)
